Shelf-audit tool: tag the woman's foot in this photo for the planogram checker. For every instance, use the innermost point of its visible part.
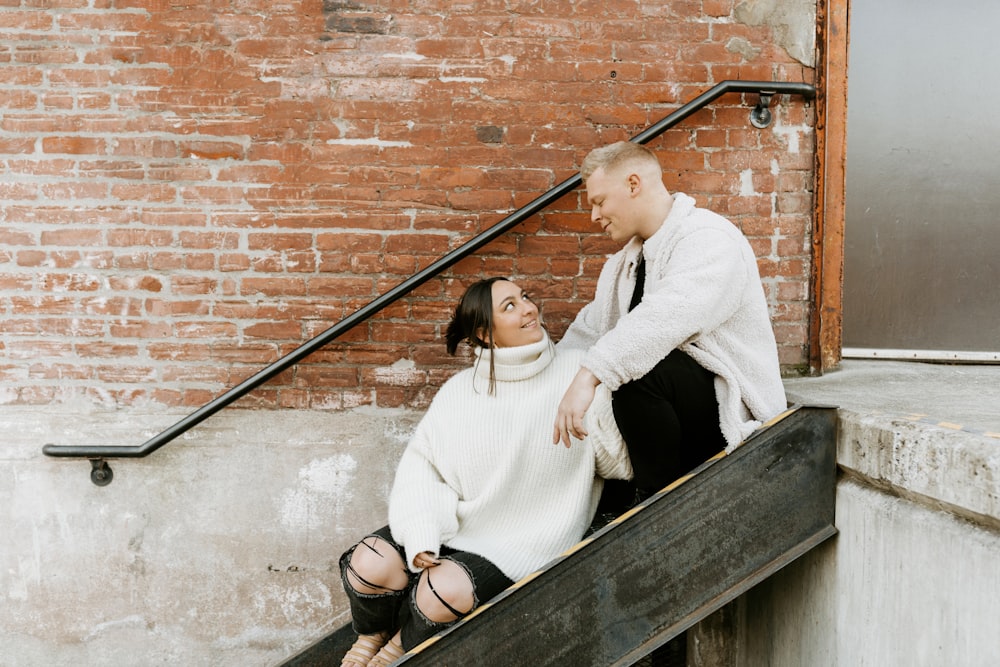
(364, 649)
(390, 653)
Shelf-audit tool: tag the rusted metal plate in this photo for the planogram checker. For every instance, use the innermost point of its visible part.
(659, 569)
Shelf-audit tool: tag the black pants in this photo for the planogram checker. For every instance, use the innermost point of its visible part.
(372, 613)
(670, 421)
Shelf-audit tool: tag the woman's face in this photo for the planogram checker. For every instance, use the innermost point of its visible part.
(515, 316)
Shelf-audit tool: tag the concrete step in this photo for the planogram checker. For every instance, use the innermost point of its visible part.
(926, 432)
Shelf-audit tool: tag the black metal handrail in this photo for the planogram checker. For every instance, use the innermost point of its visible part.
(760, 117)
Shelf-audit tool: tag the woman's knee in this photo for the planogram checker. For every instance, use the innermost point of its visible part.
(445, 592)
(376, 567)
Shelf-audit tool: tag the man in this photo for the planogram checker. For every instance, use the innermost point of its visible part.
(678, 329)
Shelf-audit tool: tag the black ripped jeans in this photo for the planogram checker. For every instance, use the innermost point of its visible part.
(669, 419)
(398, 610)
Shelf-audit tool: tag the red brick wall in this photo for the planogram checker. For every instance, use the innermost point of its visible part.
(191, 189)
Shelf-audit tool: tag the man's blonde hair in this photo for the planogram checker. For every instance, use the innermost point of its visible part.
(616, 155)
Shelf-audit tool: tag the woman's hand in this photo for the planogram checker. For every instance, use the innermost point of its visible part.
(425, 559)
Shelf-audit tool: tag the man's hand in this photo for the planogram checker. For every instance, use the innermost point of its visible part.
(572, 407)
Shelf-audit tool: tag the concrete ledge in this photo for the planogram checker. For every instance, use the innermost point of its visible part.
(952, 470)
(926, 432)
(965, 397)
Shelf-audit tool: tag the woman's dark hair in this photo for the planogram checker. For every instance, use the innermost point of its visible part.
(473, 321)
(473, 318)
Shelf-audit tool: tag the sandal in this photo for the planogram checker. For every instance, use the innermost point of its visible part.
(389, 654)
(364, 649)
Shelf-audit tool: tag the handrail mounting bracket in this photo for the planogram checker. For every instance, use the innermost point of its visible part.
(100, 472)
(760, 117)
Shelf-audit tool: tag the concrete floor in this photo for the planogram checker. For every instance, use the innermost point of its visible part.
(956, 396)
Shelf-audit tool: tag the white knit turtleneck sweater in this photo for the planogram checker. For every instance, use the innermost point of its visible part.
(481, 473)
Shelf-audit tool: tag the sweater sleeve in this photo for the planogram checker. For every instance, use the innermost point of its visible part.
(695, 289)
(422, 506)
(611, 455)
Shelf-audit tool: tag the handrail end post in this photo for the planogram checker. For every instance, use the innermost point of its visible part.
(101, 473)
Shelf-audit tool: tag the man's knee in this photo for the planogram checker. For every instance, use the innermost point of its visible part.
(675, 378)
(445, 592)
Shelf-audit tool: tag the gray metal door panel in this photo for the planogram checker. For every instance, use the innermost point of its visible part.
(922, 235)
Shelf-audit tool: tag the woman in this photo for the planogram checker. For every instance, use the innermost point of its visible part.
(481, 497)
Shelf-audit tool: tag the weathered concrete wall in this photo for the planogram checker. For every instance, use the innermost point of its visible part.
(218, 549)
(903, 584)
(221, 548)
(912, 578)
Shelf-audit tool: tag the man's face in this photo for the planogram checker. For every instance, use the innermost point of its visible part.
(612, 200)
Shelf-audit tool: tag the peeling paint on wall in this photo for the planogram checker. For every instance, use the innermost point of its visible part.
(402, 373)
(289, 603)
(353, 17)
(793, 21)
(743, 47)
(322, 486)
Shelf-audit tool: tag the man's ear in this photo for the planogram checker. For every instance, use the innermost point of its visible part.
(634, 184)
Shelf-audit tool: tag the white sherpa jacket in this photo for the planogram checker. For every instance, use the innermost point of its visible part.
(703, 295)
